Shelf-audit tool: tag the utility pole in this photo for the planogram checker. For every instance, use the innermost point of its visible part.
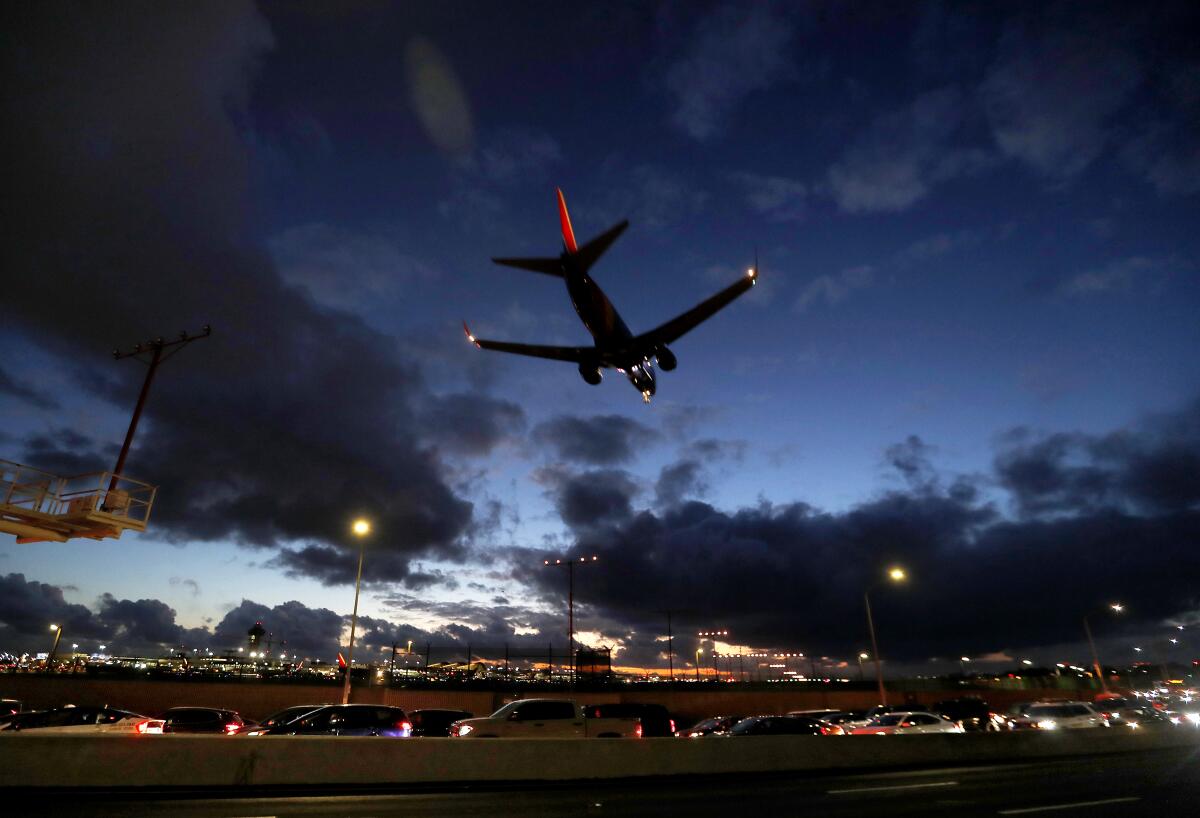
(570, 564)
(156, 348)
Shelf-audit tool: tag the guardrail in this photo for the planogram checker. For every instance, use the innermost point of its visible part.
(31, 761)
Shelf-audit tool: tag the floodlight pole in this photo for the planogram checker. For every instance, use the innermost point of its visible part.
(156, 348)
(570, 564)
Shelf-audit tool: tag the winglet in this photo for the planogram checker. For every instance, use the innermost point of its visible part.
(470, 337)
(752, 273)
(568, 233)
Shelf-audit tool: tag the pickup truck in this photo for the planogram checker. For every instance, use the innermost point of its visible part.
(545, 718)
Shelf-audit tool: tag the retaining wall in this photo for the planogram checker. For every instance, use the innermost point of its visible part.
(32, 761)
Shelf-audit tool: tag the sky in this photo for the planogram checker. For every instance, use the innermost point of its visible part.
(971, 349)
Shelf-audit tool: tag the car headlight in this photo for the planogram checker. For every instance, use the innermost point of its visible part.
(464, 729)
(1047, 724)
(1132, 724)
(1194, 718)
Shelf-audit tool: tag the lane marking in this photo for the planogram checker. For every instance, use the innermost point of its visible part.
(895, 787)
(1077, 805)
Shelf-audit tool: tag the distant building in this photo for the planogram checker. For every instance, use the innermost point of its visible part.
(255, 635)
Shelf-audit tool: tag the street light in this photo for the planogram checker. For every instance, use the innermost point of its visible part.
(895, 574)
(1115, 607)
(962, 663)
(54, 648)
(361, 529)
(698, 652)
(861, 657)
(570, 564)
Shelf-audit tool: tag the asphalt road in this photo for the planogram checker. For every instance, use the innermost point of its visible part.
(1159, 783)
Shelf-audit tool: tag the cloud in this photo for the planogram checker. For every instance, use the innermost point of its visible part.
(1089, 509)
(600, 440)
(470, 423)
(191, 584)
(293, 416)
(833, 289)
(1054, 88)
(518, 155)
(306, 631)
(902, 154)
(733, 51)
(9, 385)
(677, 480)
(778, 198)
(590, 499)
(1138, 272)
(343, 268)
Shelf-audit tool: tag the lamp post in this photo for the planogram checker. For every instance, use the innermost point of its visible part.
(1116, 607)
(698, 652)
(714, 635)
(861, 656)
(962, 663)
(894, 574)
(53, 648)
(571, 563)
(361, 529)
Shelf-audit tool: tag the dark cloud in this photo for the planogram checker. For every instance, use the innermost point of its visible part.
(601, 440)
(292, 417)
(592, 498)
(138, 623)
(66, 452)
(911, 460)
(733, 51)
(190, 584)
(1102, 517)
(29, 608)
(307, 631)
(470, 423)
(678, 480)
(10, 385)
(1153, 470)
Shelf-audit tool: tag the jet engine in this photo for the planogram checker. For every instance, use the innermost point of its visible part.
(591, 374)
(666, 359)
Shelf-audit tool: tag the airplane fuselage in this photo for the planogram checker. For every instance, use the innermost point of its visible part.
(610, 333)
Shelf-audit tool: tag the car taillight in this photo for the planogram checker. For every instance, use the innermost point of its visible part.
(148, 726)
(231, 728)
(404, 725)
(637, 731)
(672, 726)
(143, 726)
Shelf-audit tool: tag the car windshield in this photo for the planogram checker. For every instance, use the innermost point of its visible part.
(890, 720)
(1056, 711)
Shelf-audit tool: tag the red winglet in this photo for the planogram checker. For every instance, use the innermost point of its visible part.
(565, 218)
(470, 337)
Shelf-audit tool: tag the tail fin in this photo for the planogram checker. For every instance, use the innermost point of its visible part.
(549, 266)
(568, 233)
(589, 253)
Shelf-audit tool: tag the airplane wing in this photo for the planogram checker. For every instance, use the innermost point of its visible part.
(576, 355)
(681, 324)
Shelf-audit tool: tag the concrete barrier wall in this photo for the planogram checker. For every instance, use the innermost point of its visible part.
(33, 761)
(258, 699)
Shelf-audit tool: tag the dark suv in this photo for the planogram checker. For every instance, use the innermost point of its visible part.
(971, 713)
(202, 720)
(345, 720)
(656, 721)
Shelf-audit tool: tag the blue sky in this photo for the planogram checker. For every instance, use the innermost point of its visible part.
(970, 219)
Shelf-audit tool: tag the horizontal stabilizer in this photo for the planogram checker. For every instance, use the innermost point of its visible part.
(549, 266)
(588, 254)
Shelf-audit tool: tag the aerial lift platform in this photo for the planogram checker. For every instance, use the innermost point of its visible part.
(38, 506)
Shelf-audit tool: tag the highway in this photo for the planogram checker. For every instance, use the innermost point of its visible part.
(1159, 783)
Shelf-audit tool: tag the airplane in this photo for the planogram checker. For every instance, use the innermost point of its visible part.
(615, 347)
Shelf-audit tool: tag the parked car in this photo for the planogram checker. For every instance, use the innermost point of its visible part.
(972, 713)
(846, 719)
(343, 720)
(545, 718)
(904, 723)
(656, 721)
(72, 719)
(1058, 716)
(713, 726)
(202, 720)
(433, 722)
(281, 717)
(783, 726)
(1145, 718)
